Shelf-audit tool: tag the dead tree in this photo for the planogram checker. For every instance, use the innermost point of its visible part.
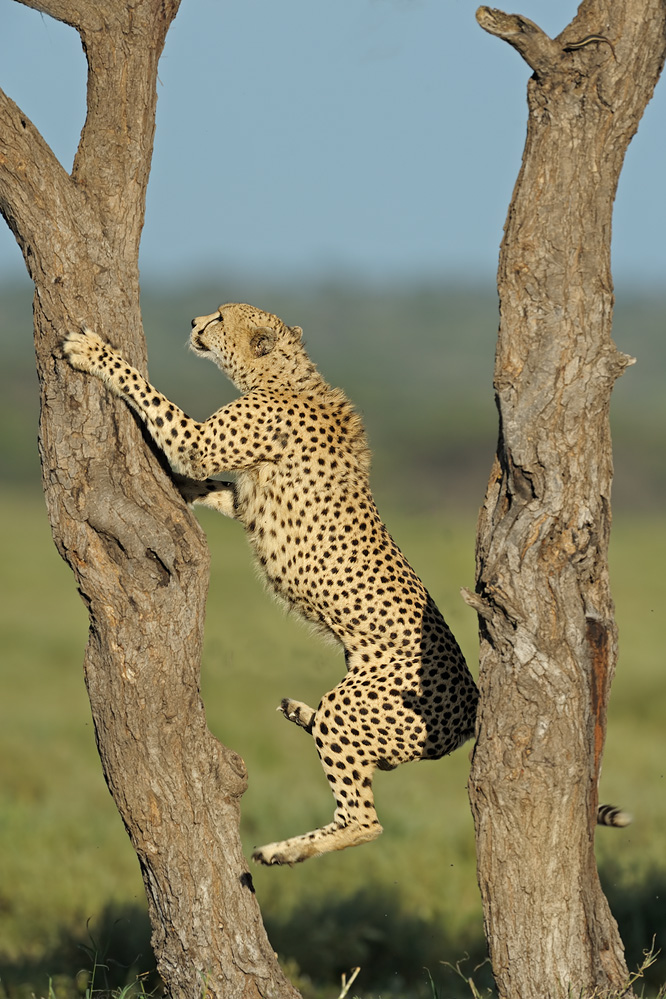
(548, 636)
(139, 558)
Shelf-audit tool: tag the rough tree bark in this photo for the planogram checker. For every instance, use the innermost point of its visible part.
(139, 557)
(548, 637)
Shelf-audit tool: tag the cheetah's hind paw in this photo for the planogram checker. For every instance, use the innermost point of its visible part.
(298, 713)
(332, 837)
(270, 856)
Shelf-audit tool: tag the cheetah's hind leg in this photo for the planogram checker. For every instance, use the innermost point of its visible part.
(355, 820)
(298, 713)
(348, 766)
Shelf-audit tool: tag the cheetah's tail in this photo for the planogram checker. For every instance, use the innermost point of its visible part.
(609, 815)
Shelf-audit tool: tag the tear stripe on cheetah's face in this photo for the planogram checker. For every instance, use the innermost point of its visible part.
(302, 493)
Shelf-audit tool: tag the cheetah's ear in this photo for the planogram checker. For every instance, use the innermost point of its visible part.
(297, 331)
(263, 340)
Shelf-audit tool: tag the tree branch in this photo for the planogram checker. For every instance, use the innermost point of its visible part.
(34, 187)
(597, 23)
(115, 151)
(539, 51)
(72, 12)
(90, 14)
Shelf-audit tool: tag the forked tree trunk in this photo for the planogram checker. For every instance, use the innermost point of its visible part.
(139, 557)
(548, 637)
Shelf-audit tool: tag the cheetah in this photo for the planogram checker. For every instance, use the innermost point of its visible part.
(302, 493)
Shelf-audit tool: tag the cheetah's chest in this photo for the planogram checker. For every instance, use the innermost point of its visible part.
(293, 530)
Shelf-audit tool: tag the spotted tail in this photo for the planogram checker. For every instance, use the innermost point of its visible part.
(609, 815)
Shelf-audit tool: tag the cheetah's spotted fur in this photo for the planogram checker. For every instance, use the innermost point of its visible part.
(302, 493)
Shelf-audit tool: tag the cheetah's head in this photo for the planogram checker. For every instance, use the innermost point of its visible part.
(252, 347)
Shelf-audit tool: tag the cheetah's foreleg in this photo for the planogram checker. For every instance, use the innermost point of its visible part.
(194, 450)
(216, 495)
(166, 423)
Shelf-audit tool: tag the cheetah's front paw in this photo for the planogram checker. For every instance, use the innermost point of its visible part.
(83, 349)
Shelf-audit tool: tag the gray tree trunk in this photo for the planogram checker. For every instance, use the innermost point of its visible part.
(548, 636)
(140, 560)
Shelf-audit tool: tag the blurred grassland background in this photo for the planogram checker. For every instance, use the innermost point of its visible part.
(417, 361)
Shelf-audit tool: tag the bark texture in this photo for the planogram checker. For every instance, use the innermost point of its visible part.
(139, 557)
(548, 636)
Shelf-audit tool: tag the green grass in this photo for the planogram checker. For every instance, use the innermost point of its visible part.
(407, 902)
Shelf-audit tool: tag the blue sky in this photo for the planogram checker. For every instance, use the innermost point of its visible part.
(378, 139)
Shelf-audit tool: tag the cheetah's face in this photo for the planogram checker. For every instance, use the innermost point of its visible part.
(243, 341)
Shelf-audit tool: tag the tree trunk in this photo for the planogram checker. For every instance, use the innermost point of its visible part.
(548, 637)
(139, 557)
